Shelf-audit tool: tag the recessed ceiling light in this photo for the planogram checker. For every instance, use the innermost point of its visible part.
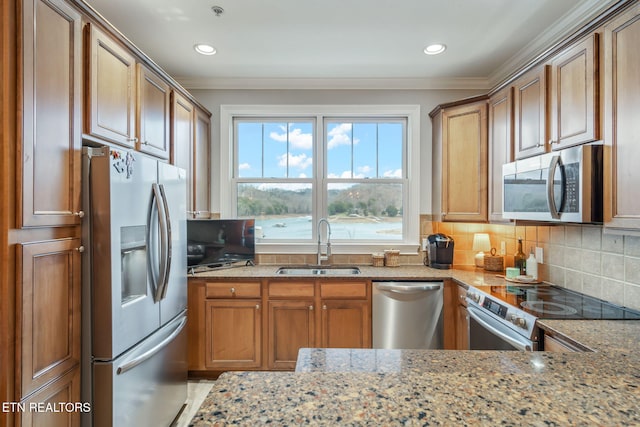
(434, 49)
(205, 49)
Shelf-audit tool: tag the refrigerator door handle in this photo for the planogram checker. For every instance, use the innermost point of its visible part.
(166, 243)
(156, 201)
(155, 349)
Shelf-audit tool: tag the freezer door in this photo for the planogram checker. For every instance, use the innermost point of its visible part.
(173, 183)
(146, 386)
(123, 308)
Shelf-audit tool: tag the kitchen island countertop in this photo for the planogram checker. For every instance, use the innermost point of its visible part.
(442, 387)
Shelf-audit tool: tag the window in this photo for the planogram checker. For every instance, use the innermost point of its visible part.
(350, 165)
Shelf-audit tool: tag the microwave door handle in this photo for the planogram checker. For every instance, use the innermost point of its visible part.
(167, 243)
(551, 201)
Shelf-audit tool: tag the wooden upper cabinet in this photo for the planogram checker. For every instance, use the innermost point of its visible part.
(622, 124)
(575, 92)
(154, 102)
(182, 123)
(111, 94)
(49, 171)
(530, 109)
(462, 152)
(48, 298)
(500, 147)
(201, 171)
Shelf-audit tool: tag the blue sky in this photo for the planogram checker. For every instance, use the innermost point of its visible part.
(351, 149)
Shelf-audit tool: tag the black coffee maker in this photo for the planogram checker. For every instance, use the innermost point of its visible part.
(440, 251)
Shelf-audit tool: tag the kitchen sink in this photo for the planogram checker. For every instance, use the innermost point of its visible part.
(318, 271)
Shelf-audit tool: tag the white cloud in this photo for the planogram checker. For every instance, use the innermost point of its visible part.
(300, 161)
(393, 174)
(365, 169)
(244, 166)
(299, 140)
(340, 135)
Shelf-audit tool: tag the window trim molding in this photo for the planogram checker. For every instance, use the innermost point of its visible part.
(412, 191)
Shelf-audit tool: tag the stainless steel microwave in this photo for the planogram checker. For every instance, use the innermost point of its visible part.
(562, 186)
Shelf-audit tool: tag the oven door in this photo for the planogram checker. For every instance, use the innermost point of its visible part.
(487, 333)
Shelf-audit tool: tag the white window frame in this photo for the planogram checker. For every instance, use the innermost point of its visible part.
(411, 196)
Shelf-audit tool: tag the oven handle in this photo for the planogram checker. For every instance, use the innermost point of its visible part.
(494, 327)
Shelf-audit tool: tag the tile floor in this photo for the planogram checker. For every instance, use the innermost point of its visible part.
(197, 391)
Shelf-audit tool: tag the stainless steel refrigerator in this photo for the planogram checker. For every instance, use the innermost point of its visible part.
(134, 289)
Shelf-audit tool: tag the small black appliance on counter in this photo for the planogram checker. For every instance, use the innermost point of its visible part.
(440, 251)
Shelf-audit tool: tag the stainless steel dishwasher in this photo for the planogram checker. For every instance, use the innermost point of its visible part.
(407, 314)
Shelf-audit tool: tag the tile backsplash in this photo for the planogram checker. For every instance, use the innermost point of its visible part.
(579, 257)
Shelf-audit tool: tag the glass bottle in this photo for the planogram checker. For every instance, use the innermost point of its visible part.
(520, 259)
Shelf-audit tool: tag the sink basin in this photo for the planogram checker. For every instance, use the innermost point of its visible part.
(318, 271)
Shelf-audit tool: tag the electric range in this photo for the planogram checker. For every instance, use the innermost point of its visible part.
(517, 307)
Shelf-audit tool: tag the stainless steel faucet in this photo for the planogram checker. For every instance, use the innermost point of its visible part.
(326, 256)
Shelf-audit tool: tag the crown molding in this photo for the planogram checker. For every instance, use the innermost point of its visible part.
(569, 24)
(342, 84)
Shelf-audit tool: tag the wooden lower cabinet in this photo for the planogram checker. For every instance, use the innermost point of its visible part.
(345, 324)
(57, 405)
(462, 320)
(233, 334)
(261, 324)
(291, 327)
(48, 327)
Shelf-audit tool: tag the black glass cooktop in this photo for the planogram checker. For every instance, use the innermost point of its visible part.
(551, 302)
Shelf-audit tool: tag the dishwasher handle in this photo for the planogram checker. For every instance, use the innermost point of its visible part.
(406, 288)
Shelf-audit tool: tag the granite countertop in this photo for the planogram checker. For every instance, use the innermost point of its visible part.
(441, 387)
(463, 275)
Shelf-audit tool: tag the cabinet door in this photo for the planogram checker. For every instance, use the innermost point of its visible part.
(111, 90)
(154, 101)
(291, 327)
(464, 163)
(49, 173)
(233, 334)
(48, 326)
(63, 391)
(574, 95)
(182, 112)
(500, 147)
(201, 171)
(530, 107)
(622, 127)
(346, 324)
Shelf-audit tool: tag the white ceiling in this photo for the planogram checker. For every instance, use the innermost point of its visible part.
(345, 43)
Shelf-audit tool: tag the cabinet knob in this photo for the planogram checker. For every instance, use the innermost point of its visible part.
(310, 307)
(134, 139)
(80, 249)
(551, 142)
(145, 142)
(79, 214)
(324, 306)
(257, 306)
(232, 290)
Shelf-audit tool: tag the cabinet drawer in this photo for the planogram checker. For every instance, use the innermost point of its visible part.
(233, 290)
(291, 289)
(343, 290)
